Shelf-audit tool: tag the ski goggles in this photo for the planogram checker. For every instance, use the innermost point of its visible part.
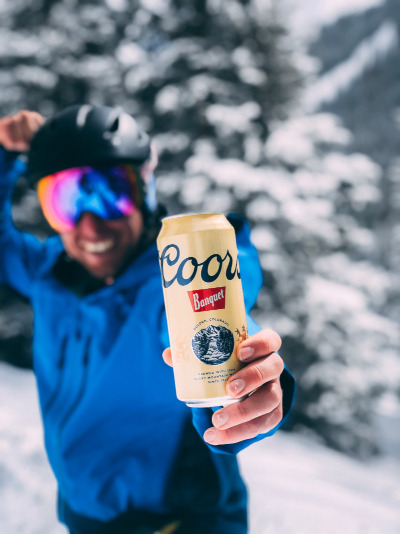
(108, 192)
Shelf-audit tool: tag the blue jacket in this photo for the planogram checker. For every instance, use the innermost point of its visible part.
(116, 436)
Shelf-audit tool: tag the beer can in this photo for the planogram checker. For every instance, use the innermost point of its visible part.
(204, 305)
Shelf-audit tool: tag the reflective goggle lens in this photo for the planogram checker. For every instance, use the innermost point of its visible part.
(109, 192)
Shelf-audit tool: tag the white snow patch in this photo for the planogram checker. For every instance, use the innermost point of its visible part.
(158, 7)
(294, 141)
(130, 54)
(138, 77)
(27, 486)
(228, 119)
(194, 189)
(262, 209)
(339, 298)
(352, 168)
(34, 75)
(117, 5)
(220, 201)
(306, 17)
(363, 275)
(263, 238)
(313, 216)
(296, 486)
(18, 45)
(168, 99)
(328, 87)
(172, 142)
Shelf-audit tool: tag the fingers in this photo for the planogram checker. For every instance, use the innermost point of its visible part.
(167, 356)
(254, 375)
(258, 345)
(258, 381)
(261, 402)
(30, 123)
(246, 430)
(16, 131)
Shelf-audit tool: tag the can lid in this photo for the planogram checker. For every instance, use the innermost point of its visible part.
(190, 215)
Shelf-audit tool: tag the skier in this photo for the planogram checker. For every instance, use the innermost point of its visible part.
(127, 455)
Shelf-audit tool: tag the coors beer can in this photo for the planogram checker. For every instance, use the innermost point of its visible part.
(204, 304)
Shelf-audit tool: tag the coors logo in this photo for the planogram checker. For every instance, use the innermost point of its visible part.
(187, 268)
(207, 299)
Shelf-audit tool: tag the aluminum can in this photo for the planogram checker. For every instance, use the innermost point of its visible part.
(204, 305)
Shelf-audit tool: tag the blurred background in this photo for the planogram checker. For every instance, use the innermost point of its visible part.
(287, 112)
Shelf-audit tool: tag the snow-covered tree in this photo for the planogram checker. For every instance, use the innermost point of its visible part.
(212, 82)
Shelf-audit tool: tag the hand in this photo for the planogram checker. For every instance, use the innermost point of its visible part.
(16, 131)
(261, 410)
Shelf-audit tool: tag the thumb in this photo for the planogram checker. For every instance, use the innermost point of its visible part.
(167, 356)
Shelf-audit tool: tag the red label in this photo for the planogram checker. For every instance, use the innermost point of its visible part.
(207, 299)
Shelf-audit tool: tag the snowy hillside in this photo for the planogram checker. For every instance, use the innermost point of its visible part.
(296, 486)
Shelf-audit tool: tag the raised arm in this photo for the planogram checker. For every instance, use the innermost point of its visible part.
(19, 252)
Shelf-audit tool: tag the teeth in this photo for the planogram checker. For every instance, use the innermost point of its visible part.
(97, 248)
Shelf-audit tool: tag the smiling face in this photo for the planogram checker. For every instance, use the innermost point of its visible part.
(103, 246)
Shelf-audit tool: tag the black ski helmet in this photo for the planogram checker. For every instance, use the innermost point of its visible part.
(86, 135)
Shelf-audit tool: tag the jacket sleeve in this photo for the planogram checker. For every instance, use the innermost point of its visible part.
(20, 253)
(201, 418)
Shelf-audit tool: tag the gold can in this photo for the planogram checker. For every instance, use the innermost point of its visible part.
(204, 304)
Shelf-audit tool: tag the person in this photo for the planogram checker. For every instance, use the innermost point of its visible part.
(127, 455)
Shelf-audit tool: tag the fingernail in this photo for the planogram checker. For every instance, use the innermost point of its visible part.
(236, 386)
(245, 353)
(209, 436)
(220, 419)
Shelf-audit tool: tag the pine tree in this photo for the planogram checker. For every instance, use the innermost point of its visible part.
(181, 69)
(212, 82)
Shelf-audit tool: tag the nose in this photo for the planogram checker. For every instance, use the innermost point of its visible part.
(90, 224)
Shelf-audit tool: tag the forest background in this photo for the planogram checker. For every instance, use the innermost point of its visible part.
(284, 112)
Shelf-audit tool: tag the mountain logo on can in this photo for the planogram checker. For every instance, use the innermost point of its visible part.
(213, 345)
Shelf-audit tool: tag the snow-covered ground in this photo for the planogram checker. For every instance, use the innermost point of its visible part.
(27, 486)
(306, 17)
(296, 486)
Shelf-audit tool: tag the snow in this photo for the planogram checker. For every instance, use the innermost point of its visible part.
(229, 119)
(117, 5)
(365, 56)
(263, 238)
(372, 280)
(307, 16)
(262, 209)
(293, 141)
(339, 297)
(129, 53)
(167, 99)
(27, 486)
(18, 45)
(295, 484)
(36, 76)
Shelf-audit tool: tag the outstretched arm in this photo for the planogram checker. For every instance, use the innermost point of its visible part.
(260, 381)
